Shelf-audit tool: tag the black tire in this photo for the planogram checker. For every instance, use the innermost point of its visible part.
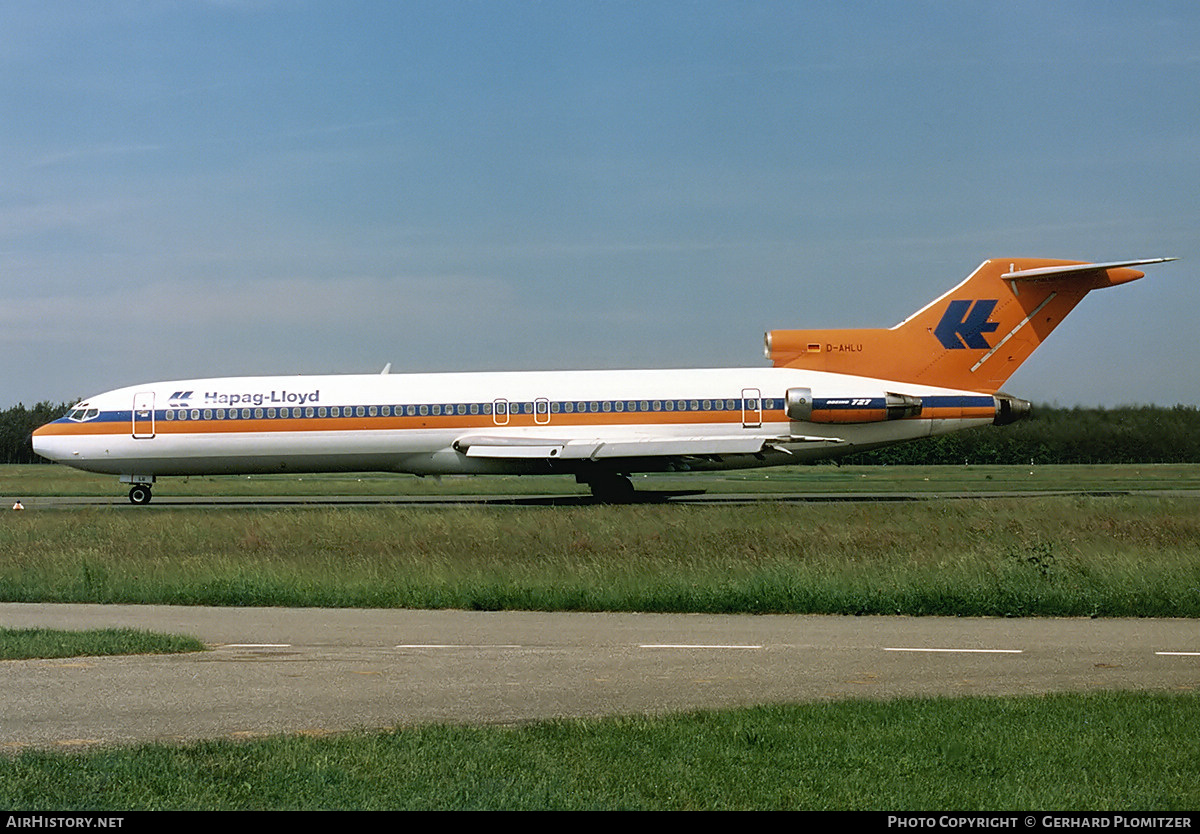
(612, 489)
(139, 495)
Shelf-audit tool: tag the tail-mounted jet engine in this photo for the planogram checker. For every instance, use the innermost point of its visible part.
(1009, 409)
(802, 407)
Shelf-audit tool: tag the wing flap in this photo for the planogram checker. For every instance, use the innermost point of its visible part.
(480, 450)
(673, 446)
(530, 447)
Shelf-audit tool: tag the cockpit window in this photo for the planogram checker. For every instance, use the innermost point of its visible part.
(80, 414)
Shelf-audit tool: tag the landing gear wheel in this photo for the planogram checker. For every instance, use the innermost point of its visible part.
(139, 495)
(612, 489)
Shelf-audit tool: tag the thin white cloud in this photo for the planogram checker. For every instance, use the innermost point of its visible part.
(85, 154)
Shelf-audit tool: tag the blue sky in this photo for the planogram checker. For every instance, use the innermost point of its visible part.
(226, 188)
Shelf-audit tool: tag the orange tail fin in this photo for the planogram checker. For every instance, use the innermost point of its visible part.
(973, 337)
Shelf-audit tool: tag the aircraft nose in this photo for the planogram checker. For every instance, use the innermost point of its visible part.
(48, 444)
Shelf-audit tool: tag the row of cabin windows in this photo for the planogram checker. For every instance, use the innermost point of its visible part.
(437, 410)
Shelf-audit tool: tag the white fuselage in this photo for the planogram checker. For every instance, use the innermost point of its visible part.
(513, 422)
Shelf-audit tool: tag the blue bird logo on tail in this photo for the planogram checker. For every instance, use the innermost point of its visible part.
(964, 323)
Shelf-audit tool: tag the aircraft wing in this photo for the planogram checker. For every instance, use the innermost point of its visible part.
(599, 448)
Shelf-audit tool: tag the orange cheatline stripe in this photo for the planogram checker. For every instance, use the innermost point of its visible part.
(733, 419)
(455, 421)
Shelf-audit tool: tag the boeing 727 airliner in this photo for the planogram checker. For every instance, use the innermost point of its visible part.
(829, 393)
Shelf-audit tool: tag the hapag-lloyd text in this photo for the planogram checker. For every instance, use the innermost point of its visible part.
(273, 397)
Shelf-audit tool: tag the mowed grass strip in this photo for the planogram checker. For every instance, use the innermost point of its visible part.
(1101, 751)
(28, 481)
(1050, 556)
(29, 643)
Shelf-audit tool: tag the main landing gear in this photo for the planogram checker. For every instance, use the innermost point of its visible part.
(609, 487)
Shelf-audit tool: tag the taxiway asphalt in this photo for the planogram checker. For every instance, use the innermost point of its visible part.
(279, 670)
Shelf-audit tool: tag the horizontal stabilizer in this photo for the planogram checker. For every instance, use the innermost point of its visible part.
(1074, 269)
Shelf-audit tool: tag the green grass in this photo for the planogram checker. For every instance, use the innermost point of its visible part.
(1127, 555)
(1049, 556)
(1062, 752)
(23, 644)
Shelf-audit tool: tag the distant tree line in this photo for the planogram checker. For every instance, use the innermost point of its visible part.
(17, 425)
(1128, 434)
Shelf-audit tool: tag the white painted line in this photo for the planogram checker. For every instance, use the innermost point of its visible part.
(457, 646)
(1181, 654)
(256, 646)
(693, 646)
(960, 651)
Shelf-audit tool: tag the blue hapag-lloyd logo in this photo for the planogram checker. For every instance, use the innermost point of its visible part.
(964, 323)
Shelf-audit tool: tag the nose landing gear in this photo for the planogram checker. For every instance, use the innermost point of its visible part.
(139, 492)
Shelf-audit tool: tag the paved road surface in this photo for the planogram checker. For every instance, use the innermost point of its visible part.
(273, 670)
